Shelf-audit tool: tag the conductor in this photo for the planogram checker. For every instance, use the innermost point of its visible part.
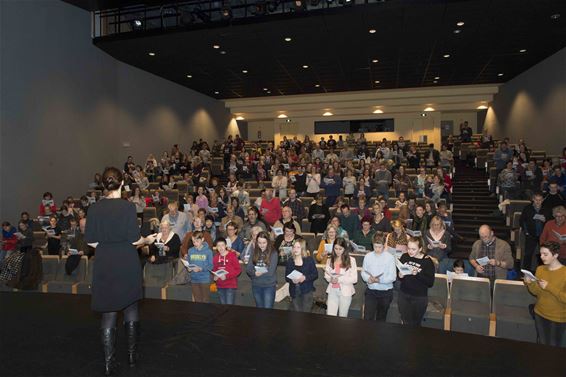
(112, 228)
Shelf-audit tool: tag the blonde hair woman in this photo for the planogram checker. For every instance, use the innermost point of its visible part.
(323, 251)
(301, 287)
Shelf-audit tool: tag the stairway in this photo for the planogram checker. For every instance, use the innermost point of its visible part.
(472, 208)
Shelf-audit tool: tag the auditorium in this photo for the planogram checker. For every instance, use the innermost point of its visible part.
(283, 187)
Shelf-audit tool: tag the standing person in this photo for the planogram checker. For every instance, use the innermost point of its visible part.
(498, 252)
(550, 290)
(341, 274)
(261, 268)
(413, 295)
(200, 255)
(379, 273)
(555, 230)
(301, 288)
(318, 215)
(226, 260)
(533, 218)
(53, 232)
(112, 228)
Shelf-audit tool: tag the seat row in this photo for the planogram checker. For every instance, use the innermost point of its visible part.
(466, 305)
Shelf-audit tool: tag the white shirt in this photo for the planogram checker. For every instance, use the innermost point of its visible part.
(380, 264)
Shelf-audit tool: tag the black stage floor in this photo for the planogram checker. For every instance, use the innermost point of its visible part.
(57, 335)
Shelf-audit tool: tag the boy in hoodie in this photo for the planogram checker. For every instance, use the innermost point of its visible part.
(200, 264)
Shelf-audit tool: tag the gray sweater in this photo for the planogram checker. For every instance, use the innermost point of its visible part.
(268, 279)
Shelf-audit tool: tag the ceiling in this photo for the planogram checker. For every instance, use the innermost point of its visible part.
(410, 42)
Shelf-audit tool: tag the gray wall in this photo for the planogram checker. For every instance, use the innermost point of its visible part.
(66, 107)
(533, 106)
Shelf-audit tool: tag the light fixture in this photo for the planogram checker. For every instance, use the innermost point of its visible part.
(457, 31)
(372, 31)
(305, 66)
(281, 116)
(446, 55)
(288, 39)
(216, 92)
(216, 47)
(189, 76)
(226, 12)
(522, 50)
(268, 92)
(435, 81)
(244, 71)
(378, 111)
(376, 82)
(424, 114)
(500, 74)
(239, 117)
(375, 61)
(222, 52)
(265, 89)
(151, 53)
(137, 24)
(327, 114)
(555, 16)
(482, 107)
(437, 78)
(317, 86)
(428, 108)
(460, 23)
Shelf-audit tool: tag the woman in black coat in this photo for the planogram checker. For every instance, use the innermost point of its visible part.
(112, 228)
(318, 216)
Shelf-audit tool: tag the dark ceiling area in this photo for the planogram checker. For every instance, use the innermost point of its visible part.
(414, 44)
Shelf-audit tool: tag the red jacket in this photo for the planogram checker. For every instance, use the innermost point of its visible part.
(271, 210)
(229, 263)
(42, 210)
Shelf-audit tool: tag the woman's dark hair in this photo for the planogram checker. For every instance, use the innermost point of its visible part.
(268, 250)
(6, 223)
(289, 225)
(553, 247)
(112, 178)
(47, 195)
(345, 259)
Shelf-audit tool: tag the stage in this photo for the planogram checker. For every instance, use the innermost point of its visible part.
(57, 335)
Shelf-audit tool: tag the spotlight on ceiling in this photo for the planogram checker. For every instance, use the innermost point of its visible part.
(428, 109)
(299, 5)
(327, 114)
(281, 116)
(378, 111)
(460, 23)
(136, 24)
(482, 107)
(239, 117)
(499, 74)
(523, 50)
(226, 12)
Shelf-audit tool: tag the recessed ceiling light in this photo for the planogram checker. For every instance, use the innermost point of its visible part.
(151, 53)
(268, 92)
(522, 50)
(500, 74)
(327, 114)
(376, 82)
(281, 116)
(222, 52)
(317, 86)
(482, 107)
(244, 71)
(437, 78)
(239, 117)
(457, 31)
(378, 111)
(189, 76)
(305, 66)
(555, 16)
(429, 108)
(460, 23)
(375, 61)
(216, 92)
(288, 39)
(435, 82)
(265, 89)
(372, 31)
(446, 55)
(216, 47)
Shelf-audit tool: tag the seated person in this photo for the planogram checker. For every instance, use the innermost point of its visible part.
(363, 237)
(284, 243)
(287, 217)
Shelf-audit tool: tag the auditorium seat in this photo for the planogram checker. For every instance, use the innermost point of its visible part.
(307, 200)
(39, 240)
(514, 206)
(85, 287)
(149, 213)
(305, 226)
(470, 303)
(310, 239)
(155, 278)
(64, 283)
(171, 195)
(50, 265)
(182, 187)
(510, 307)
(437, 303)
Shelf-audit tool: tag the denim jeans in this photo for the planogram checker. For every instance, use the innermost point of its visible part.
(227, 295)
(264, 296)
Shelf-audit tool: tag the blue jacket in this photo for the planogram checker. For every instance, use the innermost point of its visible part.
(203, 259)
(332, 189)
(308, 269)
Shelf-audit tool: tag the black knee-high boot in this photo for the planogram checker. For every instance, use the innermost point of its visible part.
(109, 343)
(132, 334)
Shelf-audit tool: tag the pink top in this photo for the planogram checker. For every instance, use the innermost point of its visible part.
(336, 271)
(201, 201)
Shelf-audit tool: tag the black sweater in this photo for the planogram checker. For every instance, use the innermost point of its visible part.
(418, 285)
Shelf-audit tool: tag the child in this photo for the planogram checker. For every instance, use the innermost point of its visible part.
(47, 206)
(200, 256)
(458, 266)
(226, 260)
